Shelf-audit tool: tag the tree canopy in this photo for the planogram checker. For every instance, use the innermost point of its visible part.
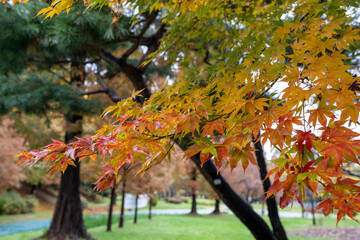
(277, 71)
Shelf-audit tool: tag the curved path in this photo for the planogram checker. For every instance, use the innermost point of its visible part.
(24, 226)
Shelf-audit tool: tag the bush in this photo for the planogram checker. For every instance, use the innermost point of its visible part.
(154, 201)
(13, 203)
(84, 202)
(176, 200)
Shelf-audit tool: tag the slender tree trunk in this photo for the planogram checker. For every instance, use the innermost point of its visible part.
(67, 221)
(136, 208)
(112, 200)
(150, 206)
(312, 209)
(32, 189)
(263, 208)
(217, 207)
(193, 193)
(247, 198)
(121, 222)
(302, 212)
(278, 228)
(193, 203)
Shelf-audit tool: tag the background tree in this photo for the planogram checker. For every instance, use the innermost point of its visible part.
(10, 173)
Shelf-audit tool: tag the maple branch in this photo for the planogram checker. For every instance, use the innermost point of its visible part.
(133, 73)
(94, 92)
(60, 77)
(136, 44)
(350, 173)
(62, 61)
(110, 92)
(159, 137)
(206, 58)
(153, 43)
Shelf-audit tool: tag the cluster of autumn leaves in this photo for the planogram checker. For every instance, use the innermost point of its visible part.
(309, 121)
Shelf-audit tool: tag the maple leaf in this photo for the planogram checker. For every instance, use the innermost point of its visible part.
(304, 138)
(319, 115)
(218, 125)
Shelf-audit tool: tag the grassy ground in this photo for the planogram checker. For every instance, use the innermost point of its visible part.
(103, 208)
(24, 217)
(287, 209)
(201, 204)
(181, 227)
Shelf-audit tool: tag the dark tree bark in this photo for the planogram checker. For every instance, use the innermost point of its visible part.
(112, 203)
(121, 222)
(150, 206)
(32, 189)
(302, 212)
(67, 221)
(136, 208)
(263, 208)
(193, 192)
(312, 209)
(217, 207)
(278, 229)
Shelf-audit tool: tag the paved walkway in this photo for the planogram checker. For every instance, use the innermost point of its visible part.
(25, 226)
(16, 227)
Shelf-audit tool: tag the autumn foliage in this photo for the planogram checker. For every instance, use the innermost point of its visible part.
(10, 174)
(255, 47)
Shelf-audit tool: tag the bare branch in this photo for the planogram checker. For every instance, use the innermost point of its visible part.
(94, 92)
(105, 89)
(137, 40)
(153, 43)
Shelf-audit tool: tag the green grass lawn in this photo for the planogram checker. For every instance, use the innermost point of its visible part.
(161, 204)
(287, 209)
(202, 204)
(181, 227)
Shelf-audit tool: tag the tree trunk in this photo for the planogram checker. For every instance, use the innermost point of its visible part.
(121, 222)
(136, 208)
(302, 212)
(193, 193)
(217, 207)
(263, 208)
(278, 229)
(67, 221)
(247, 197)
(150, 205)
(193, 203)
(312, 209)
(32, 189)
(112, 200)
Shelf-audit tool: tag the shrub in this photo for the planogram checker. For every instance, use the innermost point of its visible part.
(154, 201)
(13, 203)
(176, 200)
(84, 202)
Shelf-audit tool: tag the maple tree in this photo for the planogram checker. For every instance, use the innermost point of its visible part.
(186, 176)
(10, 173)
(251, 47)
